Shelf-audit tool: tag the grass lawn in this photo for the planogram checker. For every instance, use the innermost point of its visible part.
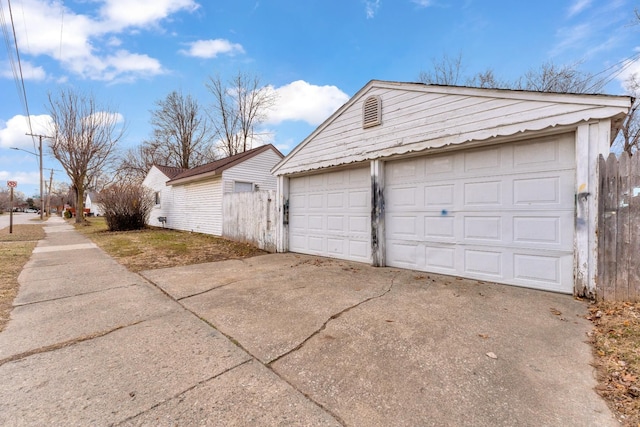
(158, 248)
(15, 250)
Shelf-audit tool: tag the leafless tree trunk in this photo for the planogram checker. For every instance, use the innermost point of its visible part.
(239, 106)
(84, 136)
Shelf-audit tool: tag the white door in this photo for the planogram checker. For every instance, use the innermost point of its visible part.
(504, 213)
(329, 214)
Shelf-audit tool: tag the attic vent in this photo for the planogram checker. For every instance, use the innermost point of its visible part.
(371, 112)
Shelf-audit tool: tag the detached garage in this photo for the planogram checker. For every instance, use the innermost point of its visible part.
(489, 184)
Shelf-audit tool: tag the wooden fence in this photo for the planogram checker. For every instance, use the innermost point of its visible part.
(250, 217)
(619, 228)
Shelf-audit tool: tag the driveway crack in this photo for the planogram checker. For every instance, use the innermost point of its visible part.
(333, 317)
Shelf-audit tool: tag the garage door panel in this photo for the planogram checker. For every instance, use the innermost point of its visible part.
(439, 227)
(403, 254)
(503, 213)
(488, 159)
(441, 259)
(537, 268)
(487, 263)
(483, 228)
(482, 193)
(335, 200)
(439, 195)
(334, 219)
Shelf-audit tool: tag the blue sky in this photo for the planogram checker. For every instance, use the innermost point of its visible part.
(314, 54)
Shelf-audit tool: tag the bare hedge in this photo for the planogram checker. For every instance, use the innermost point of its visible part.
(126, 206)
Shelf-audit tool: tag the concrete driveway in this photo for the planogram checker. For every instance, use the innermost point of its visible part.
(382, 346)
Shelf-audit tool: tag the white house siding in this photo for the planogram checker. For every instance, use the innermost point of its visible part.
(197, 207)
(156, 181)
(256, 170)
(417, 117)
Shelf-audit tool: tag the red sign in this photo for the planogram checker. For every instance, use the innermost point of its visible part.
(12, 184)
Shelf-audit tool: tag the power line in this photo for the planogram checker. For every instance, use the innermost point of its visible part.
(22, 91)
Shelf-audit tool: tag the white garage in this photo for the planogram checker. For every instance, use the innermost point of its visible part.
(329, 214)
(496, 185)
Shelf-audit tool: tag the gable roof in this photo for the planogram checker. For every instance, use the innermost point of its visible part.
(218, 166)
(417, 117)
(93, 196)
(169, 171)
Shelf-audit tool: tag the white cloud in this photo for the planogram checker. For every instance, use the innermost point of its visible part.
(578, 6)
(23, 178)
(212, 48)
(13, 131)
(630, 69)
(87, 44)
(302, 101)
(371, 7)
(29, 71)
(120, 14)
(423, 3)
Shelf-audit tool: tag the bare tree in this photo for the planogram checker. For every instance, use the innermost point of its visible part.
(560, 79)
(181, 138)
(84, 137)
(181, 135)
(445, 71)
(629, 137)
(137, 161)
(239, 106)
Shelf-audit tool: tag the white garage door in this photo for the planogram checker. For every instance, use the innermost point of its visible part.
(329, 214)
(503, 213)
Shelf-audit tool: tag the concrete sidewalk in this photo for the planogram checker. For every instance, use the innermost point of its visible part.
(90, 343)
(286, 339)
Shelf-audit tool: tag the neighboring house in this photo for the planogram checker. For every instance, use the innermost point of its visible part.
(92, 204)
(495, 185)
(191, 199)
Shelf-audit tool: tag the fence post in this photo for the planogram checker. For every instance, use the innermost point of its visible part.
(622, 243)
(610, 227)
(602, 180)
(634, 225)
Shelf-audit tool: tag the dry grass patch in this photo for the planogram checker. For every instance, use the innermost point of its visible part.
(15, 251)
(159, 248)
(616, 342)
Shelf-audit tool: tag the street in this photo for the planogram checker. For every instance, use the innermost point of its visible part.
(18, 218)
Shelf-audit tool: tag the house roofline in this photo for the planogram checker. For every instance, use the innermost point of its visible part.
(213, 169)
(620, 101)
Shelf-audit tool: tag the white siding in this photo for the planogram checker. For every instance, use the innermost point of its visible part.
(256, 170)
(416, 118)
(156, 181)
(197, 207)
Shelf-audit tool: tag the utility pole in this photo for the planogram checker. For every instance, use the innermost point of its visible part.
(40, 158)
(49, 194)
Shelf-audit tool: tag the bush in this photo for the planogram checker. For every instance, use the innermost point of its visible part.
(126, 206)
(68, 214)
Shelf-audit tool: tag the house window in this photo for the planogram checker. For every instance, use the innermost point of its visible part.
(242, 187)
(371, 112)
(157, 197)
